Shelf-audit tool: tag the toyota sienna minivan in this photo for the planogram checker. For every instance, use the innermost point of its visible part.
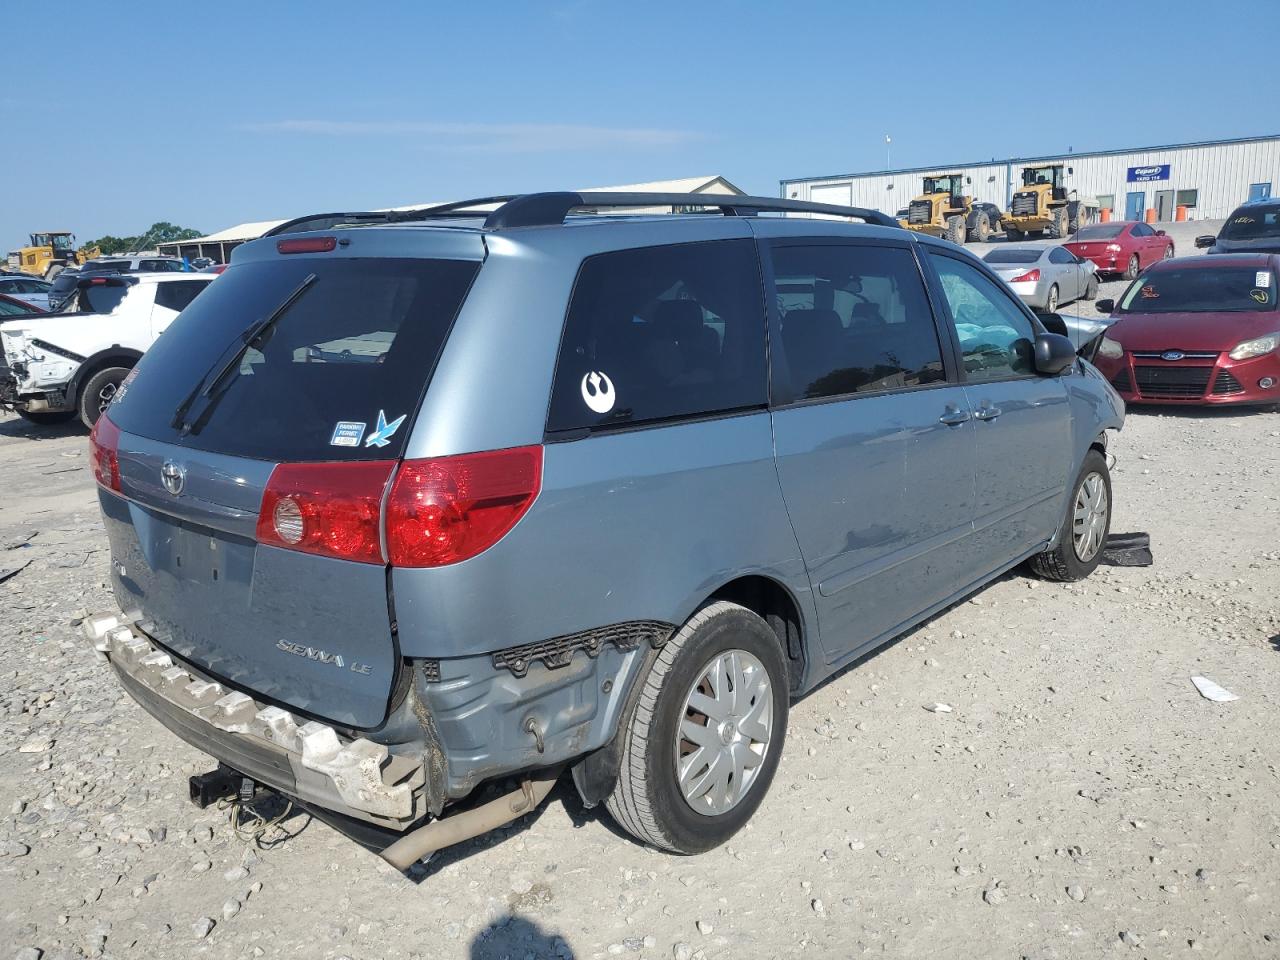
(410, 511)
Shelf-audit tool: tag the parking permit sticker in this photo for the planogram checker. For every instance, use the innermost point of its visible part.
(1262, 279)
(347, 433)
(1259, 295)
(597, 391)
(383, 431)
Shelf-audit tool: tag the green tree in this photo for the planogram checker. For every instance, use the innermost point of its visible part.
(162, 232)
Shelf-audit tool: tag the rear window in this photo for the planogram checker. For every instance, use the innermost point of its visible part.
(1201, 290)
(1252, 223)
(337, 377)
(1013, 256)
(1100, 231)
(661, 333)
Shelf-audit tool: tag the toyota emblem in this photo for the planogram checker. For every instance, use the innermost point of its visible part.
(173, 476)
(1172, 355)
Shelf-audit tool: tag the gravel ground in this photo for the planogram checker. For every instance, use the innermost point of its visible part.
(1081, 800)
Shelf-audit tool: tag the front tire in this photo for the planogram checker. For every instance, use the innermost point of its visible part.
(702, 743)
(1083, 534)
(97, 392)
(1091, 289)
(1013, 234)
(956, 230)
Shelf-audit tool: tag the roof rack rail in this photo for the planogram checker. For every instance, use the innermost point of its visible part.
(548, 209)
(544, 209)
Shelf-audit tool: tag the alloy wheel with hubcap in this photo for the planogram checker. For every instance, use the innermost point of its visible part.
(1090, 517)
(724, 732)
(703, 732)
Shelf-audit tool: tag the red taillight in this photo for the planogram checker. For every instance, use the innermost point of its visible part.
(104, 449)
(1029, 276)
(331, 509)
(449, 509)
(307, 245)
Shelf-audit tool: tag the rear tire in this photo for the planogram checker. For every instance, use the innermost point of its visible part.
(648, 800)
(47, 418)
(1133, 269)
(1051, 301)
(97, 392)
(1013, 234)
(981, 228)
(955, 230)
(1083, 534)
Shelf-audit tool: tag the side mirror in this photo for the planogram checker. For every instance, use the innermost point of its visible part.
(1054, 353)
(1159, 233)
(1206, 241)
(1104, 306)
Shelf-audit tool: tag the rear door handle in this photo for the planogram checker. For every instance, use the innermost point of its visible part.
(987, 412)
(954, 416)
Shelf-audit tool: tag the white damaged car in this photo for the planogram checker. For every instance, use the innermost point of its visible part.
(61, 365)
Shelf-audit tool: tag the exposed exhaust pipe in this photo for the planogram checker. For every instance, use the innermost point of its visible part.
(447, 831)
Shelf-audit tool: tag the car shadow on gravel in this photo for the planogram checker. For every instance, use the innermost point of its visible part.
(17, 427)
(517, 936)
(1275, 642)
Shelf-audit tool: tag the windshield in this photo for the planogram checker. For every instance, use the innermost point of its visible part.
(1100, 231)
(1251, 223)
(1013, 256)
(1034, 175)
(333, 378)
(941, 185)
(1202, 290)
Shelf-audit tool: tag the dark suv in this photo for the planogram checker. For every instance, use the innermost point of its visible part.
(409, 503)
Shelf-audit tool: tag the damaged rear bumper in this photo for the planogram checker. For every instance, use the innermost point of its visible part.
(355, 777)
(457, 724)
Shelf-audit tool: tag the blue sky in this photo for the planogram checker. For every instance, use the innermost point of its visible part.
(212, 114)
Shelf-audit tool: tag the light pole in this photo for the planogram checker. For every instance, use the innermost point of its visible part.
(887, 141)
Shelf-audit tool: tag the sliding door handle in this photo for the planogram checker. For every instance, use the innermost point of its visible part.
(954, 416)
(987, 412)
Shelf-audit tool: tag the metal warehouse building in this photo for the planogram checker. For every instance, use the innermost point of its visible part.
(1210, 179)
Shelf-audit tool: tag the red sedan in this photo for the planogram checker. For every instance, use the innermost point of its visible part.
(1201, 330)
(1123, 247)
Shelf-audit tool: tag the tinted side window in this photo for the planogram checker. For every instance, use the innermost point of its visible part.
(178, 294)
(996, 338)
(101, 299)
(1058, 255)
(855, 319)
(661, 332)
(1141, 230)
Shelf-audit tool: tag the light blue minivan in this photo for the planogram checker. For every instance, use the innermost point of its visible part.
(410, 504)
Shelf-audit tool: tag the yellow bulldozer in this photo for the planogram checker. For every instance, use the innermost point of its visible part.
(944, 210)
(50, 253)
(1044, 205)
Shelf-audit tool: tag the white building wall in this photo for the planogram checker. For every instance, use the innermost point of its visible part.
(1221, 173)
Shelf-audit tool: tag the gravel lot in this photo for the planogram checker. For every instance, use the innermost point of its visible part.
(1082, 800)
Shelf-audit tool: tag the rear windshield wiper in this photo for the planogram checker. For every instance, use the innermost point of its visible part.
(248, 339)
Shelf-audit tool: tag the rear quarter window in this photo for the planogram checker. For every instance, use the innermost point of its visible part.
(661, 333)
(178, 294)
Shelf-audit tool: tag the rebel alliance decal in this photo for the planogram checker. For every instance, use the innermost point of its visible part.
(597, 391)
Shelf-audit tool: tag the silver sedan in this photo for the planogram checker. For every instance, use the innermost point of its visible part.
(1044, 277)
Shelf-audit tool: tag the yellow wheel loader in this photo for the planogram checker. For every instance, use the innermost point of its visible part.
(943, 210)
(49, 254)
(1044, 205)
